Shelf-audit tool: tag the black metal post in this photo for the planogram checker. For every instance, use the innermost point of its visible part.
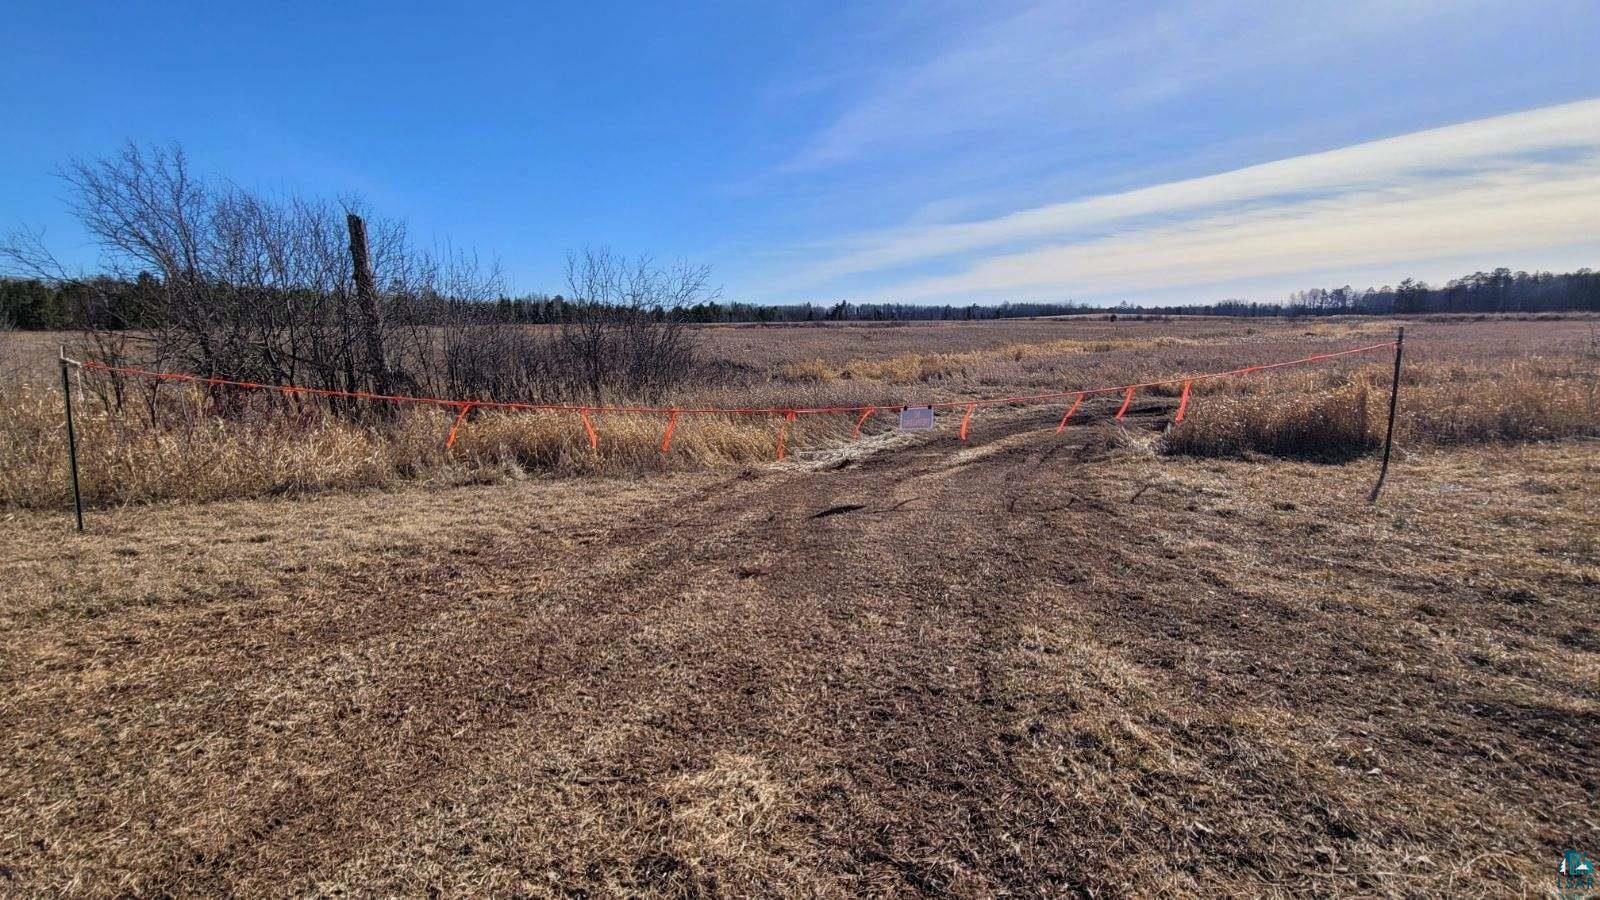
(1394, 403)
(72, 442)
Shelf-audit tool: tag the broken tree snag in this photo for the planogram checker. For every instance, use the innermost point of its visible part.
(370, 316)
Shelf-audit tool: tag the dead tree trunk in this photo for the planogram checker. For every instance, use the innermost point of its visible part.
(371, 318)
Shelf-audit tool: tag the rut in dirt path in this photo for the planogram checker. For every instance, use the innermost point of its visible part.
(852, 653)
(886, 624)
(857, 669)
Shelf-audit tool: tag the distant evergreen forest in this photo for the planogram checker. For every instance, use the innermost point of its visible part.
(113, 303)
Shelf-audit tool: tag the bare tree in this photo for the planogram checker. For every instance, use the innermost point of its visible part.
(253, 286)
(620, 331)
(293, 290)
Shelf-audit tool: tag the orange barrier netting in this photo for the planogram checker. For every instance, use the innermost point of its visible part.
(856, 435)
(1127, 400)
(1078, 401)
(672, 413)
(1183, 402)
(588, 426)
(456, 425)
(666, 439)
(783, 432)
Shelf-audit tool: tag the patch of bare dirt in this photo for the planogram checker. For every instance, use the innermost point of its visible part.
(1046, 665)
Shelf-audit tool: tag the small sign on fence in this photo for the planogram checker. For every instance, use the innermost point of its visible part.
(916, 418)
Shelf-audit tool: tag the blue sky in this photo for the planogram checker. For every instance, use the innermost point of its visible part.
(919, 152)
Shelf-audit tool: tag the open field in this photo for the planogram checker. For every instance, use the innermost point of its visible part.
(1468, 381)
(1029, 663)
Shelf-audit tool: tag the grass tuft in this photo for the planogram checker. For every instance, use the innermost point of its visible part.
(1331, 427)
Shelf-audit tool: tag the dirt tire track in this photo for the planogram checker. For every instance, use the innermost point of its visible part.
(1034, 664)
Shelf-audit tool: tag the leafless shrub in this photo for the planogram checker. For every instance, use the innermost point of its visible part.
(500, 362)
(620, 334)
(254, 287)
(263, 289)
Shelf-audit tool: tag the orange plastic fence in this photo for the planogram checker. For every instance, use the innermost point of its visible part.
(1127, 400)
(788, 414)
(856, 435)
(456, 425)
(1183, 402)
(783, 432)
(666, 439)
(1076, 402)
(588, 426)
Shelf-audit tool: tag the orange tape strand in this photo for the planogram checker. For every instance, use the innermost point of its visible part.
(967, 419)
(1183, 402)
(454, 426)
(594, 440)
(666, 439)
(862, 421)
(708, 410)
(783, 432)
(1070, 410)
(1126, 399)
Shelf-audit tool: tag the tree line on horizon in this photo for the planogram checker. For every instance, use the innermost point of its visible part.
(120, 302)
(232, 265)
(203, 275)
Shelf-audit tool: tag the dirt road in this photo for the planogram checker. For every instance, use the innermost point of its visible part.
(1026, 664)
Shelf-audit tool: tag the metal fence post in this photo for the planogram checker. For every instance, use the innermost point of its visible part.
(1394, 403)
(72, 438)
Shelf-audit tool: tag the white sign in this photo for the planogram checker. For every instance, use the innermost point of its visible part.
(916, 418)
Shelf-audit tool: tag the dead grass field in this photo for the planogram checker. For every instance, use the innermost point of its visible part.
(1468, 381)
(1025, 664)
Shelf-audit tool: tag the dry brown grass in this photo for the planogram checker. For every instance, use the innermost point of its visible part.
(1027, 665)
(1054, 667)
(1332, 416)
(1330, 426)
(194, 455)
(919, 368)
(1465, 382)
(1516, 402)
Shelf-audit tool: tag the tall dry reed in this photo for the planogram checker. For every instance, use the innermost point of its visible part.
(189, 453)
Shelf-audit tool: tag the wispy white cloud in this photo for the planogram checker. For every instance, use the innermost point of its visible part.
(1502, 184)
(1046, 67)
(1474, 215)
